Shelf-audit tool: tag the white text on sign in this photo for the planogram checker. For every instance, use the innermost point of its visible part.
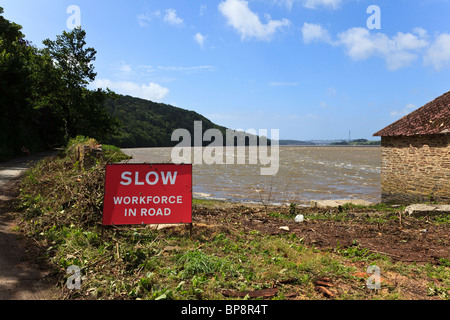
(151, 178)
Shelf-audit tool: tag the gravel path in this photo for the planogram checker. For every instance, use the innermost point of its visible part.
(21, 278)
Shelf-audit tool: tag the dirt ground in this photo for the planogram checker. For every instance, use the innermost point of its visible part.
(22, 275)
(413, 240)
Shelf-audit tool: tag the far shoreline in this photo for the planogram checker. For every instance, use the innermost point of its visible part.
(281, 146)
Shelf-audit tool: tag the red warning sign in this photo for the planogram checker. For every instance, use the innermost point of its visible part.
(147, 194)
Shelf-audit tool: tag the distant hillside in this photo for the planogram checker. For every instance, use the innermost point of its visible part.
(357, 142)
(150, 124)
(295, 143)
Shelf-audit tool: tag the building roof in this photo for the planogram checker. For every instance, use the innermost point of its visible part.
(432, 118)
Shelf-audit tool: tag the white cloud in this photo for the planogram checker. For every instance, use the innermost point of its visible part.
(398, 51)
(152, 91)
(421, 32)
(406, 110)
(315, 32)
(287, 3)
(283, 84)
(146, 68)
(172, 18)
(202, 10)
(145, 18)
(189, 69)
(247, 23)
(311, 4)
(438, 54)
(332, 92)
(125, 68)
(314, 4)
(360, 44)
(200, 39)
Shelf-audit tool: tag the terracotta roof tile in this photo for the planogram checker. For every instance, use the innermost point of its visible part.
(432, 118)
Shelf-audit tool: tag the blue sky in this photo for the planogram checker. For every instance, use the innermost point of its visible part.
(314, 69)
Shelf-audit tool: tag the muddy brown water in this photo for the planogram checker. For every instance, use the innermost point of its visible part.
(305, 173)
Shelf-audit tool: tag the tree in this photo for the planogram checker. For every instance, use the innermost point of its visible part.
(15, 89)
(80, 109)
(44, 99)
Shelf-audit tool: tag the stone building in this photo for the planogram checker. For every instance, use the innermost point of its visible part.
(415, 165)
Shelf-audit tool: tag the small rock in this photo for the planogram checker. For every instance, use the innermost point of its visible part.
(337, 203)
(285, 228)
(426, 209)
(299, 219)
(171, 248)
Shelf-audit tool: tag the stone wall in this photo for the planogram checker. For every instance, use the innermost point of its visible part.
(415, 169)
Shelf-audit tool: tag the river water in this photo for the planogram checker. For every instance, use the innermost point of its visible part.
(304, 174)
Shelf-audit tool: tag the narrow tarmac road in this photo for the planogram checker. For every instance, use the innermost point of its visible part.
(21, 278)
